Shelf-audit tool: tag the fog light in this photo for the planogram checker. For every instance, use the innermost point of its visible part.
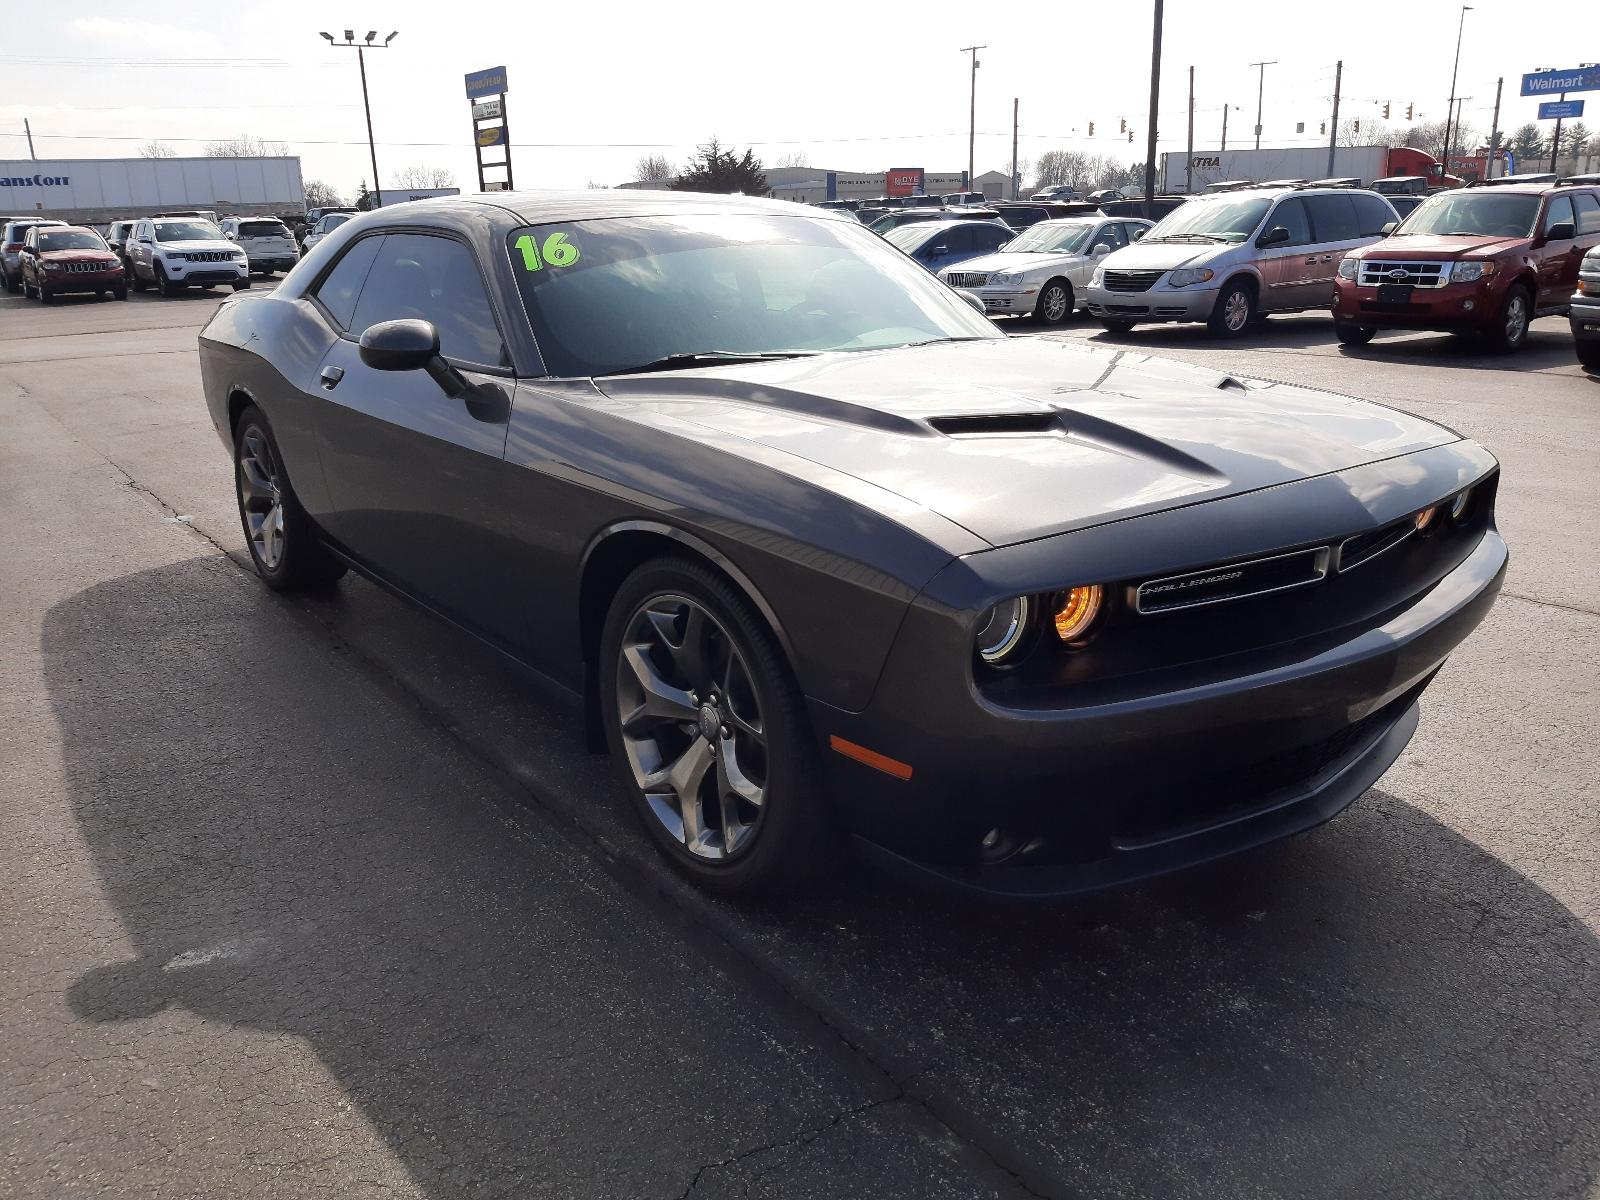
(1425, 518)
(1079, 607)
(1460, 505)
(1469, 305)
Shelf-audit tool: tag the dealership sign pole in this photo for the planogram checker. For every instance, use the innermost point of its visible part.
(490, 124)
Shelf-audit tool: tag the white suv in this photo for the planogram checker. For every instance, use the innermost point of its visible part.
(326, 224)
(178, 252)
(266, 241)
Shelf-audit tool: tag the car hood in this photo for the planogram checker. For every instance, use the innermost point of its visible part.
(1015, 439)
(80, 255)
(197, 246)
(1163, 256)
(1431, 245)
(1029, 263)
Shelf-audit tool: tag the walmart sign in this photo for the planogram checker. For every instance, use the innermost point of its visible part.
(1553, 83)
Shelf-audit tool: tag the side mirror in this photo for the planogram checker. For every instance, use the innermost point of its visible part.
(1276, 236)
(973, 300)
(1388, 227)
(935, 251)
(410, 345)
(1561, 231)
(1100, 250)
(147, 239)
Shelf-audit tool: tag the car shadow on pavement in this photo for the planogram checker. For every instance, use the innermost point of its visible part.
(1377, 1009)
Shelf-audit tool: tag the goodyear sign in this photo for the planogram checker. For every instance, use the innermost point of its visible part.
(486, 83)
(495, 136)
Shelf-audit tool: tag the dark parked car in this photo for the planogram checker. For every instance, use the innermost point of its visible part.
(815, 549)
(117, 234)
(1161, 206)
(940, 244)
(61, 260)
(916, 216)
(1019, 214)
(11, 240)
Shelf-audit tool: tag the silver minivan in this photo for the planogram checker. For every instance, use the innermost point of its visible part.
(1231, 258)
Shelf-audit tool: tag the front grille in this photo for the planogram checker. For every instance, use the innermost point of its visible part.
(967, 279)
(1233, 581)
(84, 268)
(208, 255)
(1131, 281)
(1376, 272)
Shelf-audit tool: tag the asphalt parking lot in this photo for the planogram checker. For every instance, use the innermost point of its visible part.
(311, 896)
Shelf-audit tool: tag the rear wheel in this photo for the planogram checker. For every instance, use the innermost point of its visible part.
(283, 542)
(1235, 310)
(1055, 303)
(13, 283)
(1352, 334)
(1510, 329)
(707, 726)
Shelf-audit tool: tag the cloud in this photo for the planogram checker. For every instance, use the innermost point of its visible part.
(143, 33)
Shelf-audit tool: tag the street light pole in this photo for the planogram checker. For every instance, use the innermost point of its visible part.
(361, 59)
(1261, 91)
(1451, 123)
(1155, 108)
(972, 112)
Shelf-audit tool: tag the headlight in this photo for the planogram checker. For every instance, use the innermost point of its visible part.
(1077, 611)
(1349, 265)
(1471, 272)
(1099, 274)
(238, 254)
(1002, 628)
(1006, 278)
(1460, 506)
(1189, 276)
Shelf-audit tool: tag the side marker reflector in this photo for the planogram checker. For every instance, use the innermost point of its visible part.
(878, 762)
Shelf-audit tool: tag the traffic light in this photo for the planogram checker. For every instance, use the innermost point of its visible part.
(1091, 128)
(1323, 128)
(1356, 124)
(1409, 107)
(1130, 135)
(1385, 110)
(1122, 124)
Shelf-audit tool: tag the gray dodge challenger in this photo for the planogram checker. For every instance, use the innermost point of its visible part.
(822, 559)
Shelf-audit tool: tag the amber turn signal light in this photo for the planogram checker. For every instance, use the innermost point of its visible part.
(1426, 517)
(1079, 607)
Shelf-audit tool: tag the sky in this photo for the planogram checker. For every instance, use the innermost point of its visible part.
(858, 87)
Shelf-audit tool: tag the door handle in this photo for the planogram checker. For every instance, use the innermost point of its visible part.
(331, 377)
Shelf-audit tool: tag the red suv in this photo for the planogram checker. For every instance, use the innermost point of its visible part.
(1484, 259)
(57, 259)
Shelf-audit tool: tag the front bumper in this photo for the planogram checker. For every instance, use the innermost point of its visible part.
(1452, 307)
(67, 283)
(1122, 783)
(1007, 300)
(207, 272)
(1584, 313)
(1155, 305)
(273, 262)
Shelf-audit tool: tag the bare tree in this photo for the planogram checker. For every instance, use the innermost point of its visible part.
(322, 195)
(420, 178)
(798, 158)
(1371, 132)
(654, 168)
(1087, 172)
(246, 145)
(155, 149)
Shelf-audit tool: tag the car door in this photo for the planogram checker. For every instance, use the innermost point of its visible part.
(1286, 268)
(946, 246)
(1586, 205)
(1335, 231)
(410, 470)
(1558, 256)
(140, 249)
(1109, 235)
(28, 258)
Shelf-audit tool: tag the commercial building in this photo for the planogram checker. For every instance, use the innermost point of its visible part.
(97, 190)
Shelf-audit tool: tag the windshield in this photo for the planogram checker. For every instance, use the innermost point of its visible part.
(1052, 238)
(1217, 220)
(909, 237)
(614, 295)
(187, 231)
(72, 240)
(1491, 214)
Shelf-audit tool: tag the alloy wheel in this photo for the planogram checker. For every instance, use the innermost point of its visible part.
(1055, 303)
(692, 726)
(1236, 312)
(1516, 319)
(261, 497)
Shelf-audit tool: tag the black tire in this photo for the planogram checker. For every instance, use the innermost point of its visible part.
(302, 562)
(164, 285)
(241, 285)
(138, 280)
(1509, 332)
(1119, 328)
(1235, 311)
(794, 840)
(1589, 356)
(120, 293)
(45, 294)
(1055, 297)
(1351, 334)
(12, 283)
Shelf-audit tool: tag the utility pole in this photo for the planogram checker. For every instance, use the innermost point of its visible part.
(1016, 184)
(1188, 170)
(972, 113)
(29, 130)
(1555, 140)
(361, 58)
(1333, 129)
(1155, 112)
(1261, 91)
(1449, 131)
(1225, 126)
(1494, 131)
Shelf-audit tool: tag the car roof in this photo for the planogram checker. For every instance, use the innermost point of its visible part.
(539, 207)
(75, 229)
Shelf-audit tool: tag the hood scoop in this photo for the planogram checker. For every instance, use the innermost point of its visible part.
(998, 424)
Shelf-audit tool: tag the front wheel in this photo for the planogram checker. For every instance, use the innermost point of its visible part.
(121, 293)
(1589, 356)
(1055, 303)
(1351, 334)
(1235, 310)
(1510, 329)
(282, 540)
(708, 729)
(164, 285)
(1119, 328)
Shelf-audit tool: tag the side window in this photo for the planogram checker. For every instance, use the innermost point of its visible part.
(1587, 205)
(434, 279)
(953, 241)
(1560, 210)
(1333, 218)
(341, 287)
(1291, 214)
(1372, 214)
(992, 239)
(1135, 232)
(1111, 234)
